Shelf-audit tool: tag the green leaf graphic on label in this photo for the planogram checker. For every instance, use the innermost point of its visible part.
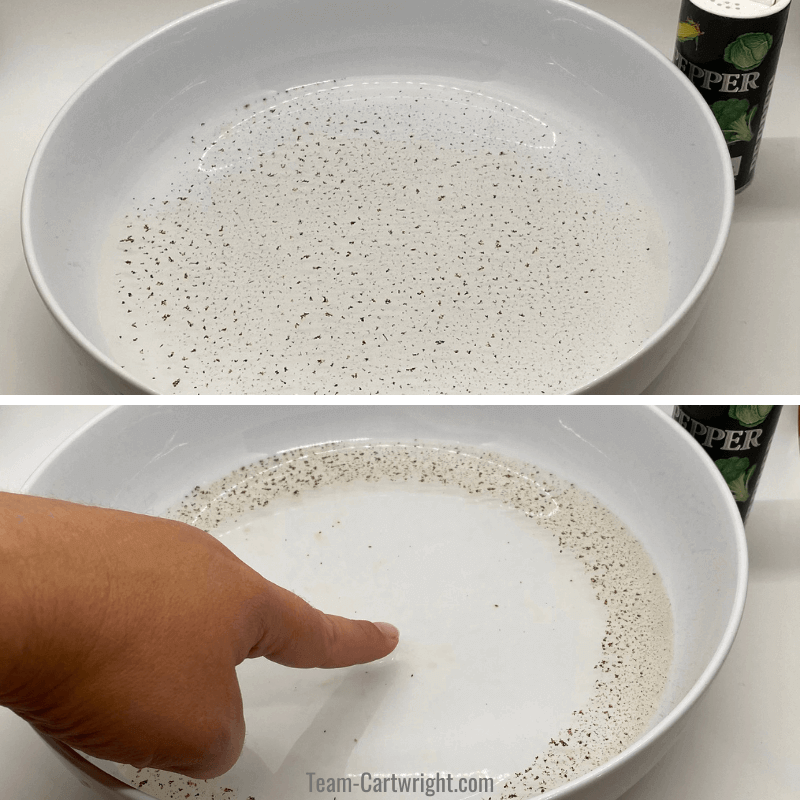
(737, 472)
(749, 416)
(734, 119)
(748, 50)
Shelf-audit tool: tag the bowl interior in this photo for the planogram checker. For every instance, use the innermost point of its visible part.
(134, 116)
(634, 459)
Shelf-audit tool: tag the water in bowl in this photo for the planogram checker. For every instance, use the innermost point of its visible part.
(392, 235)
(536, 635)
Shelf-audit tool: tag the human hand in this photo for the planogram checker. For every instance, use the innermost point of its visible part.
(120, 634)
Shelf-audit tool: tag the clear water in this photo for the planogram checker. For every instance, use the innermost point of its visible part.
(536, 636)
(394, 235)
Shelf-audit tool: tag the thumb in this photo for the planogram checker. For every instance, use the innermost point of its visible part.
(296, 634)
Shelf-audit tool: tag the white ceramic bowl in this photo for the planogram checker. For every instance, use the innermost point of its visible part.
(639, 463)
(570, 58)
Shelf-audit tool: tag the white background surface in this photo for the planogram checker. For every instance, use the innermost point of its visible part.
(747, 340)
(741, 744)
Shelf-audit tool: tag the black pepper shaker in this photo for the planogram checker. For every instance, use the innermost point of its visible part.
(737, 438)
(729, 51)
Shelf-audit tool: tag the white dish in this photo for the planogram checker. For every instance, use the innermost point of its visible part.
(639, 464)
(566, 62)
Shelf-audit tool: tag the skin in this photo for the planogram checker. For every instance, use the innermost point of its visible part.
(120, 634)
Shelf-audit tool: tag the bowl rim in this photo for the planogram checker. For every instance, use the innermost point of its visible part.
(660, 729)
(140, 385)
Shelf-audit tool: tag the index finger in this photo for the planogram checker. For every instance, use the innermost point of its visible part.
(295, 634)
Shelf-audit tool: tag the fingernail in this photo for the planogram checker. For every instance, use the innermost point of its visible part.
(387, 629)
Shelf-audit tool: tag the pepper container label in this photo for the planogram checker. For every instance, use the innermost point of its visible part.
(737, 438)
(729, 50)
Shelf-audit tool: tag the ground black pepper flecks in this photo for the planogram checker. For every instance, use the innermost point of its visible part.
(637, 645)
(385, 237)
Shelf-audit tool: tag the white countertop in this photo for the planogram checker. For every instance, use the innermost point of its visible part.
(742, 742)
(747, 340)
